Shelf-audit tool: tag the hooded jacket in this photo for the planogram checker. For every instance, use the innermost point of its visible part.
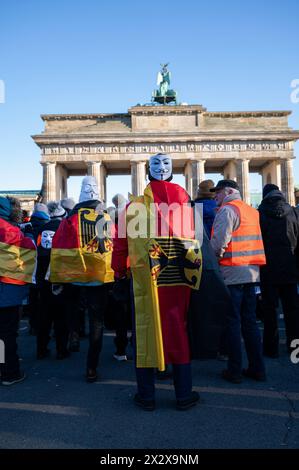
(11, 294)
(209, 213)
(37, 220)
(44, 247)
(280, 229)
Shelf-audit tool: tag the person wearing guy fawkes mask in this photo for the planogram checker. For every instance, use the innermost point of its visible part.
(50, 305)
(160, 168)
(81, 259)
(89, 197)
(164, 268)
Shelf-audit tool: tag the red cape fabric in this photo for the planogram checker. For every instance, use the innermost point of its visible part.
(12, 235)
(67, 235)
(173, 300)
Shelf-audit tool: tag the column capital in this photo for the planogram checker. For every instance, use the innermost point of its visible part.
(48, 163)
(135, 162)
(197, 160)
(91, 163)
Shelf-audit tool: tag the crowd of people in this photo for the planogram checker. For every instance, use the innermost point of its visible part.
(185, 293)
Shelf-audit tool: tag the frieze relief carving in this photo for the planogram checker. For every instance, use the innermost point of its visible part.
(169, 148)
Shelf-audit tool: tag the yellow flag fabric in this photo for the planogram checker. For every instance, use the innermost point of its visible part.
(149, 342)
(77, 254)
(17, 262)
(158, 264)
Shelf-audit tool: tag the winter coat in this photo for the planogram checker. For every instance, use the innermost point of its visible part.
(44, 245)
(37, 221)
(226, 222)
(209, 212)
(280, 229)
(10, 294)
(208, 308)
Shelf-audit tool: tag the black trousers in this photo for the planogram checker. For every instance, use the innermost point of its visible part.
(33, 306)
(9, 321)
(271, 294)
(96, 304)
(51, 311)
(75, 299)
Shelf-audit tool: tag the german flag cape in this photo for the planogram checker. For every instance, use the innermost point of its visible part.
(82, 248)
(17, 255)
(160, 263)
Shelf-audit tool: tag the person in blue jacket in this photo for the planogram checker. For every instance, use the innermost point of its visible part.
(206, 198)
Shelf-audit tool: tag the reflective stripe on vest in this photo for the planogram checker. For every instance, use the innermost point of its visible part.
(243, 238)
(243, 253)
(246, 245)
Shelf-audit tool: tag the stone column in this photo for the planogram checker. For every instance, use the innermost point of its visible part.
(103, 192)
(194, 174)
(200, 171)
(287, 180)
(61, 182)
(95, 169)
(271, 173)
(138, 177)
(49, 181)
(230, 171)
(242, 167)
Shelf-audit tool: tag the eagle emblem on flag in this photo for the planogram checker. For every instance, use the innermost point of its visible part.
(91, 225)
(175, 261)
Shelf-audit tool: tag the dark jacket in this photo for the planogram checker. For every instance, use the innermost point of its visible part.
(92, 204)
(37, 221)
(209, 212)
(44, 245)
(280, 229)
(208, 307)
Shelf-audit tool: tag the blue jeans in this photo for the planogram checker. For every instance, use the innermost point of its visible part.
(182, 380)
(242, 318)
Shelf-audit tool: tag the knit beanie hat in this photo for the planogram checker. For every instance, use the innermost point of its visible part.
(5, 208)
(40, 207)
(268, 188)
(67, 203)
(55, 209)
(203, 190)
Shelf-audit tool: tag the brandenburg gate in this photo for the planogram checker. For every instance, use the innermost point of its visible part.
(199, 141)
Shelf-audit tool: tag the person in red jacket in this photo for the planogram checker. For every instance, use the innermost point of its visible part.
(17, 266)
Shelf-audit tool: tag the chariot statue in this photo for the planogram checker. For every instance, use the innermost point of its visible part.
(164, 94)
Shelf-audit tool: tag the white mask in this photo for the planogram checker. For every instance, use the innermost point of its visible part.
(46, 239)
(89, 189)
(160, 167)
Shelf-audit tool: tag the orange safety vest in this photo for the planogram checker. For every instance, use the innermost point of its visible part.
(246, 246)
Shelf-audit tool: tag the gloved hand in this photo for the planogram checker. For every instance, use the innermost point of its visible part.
(121, 290)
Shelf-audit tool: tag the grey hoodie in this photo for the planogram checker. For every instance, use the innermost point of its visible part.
(227, 220)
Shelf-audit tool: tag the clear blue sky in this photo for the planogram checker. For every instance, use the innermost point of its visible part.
(75, 56)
